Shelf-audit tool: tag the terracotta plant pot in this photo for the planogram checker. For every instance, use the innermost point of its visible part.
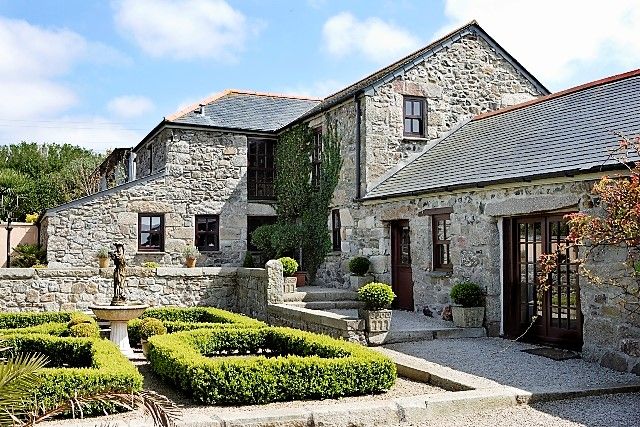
(301, 277)
(104, 262)
(191, 262)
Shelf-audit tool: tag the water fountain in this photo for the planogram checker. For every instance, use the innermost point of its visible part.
(119, 313)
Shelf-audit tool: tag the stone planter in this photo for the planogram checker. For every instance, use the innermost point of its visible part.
(376, 320)
(290, 284)
(468, 317)
(301, 277)
(359, 281)
(190, 262)
(104, 262)
(145, 347)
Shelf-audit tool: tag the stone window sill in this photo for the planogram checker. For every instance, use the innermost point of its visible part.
(150, 253)
(210, 252)
(440, 273)
(414, 139)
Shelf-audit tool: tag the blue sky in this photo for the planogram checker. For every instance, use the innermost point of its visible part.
(101, 74)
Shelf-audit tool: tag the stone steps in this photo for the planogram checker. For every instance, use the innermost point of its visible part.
(325, 305)
(321, 298)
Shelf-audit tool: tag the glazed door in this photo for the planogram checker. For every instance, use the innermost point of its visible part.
(401, 277)
(554, 311)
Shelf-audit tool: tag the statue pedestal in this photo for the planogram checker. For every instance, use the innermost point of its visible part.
(118, 316)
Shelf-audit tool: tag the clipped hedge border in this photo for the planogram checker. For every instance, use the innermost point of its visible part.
(177, 319)
(109, 370)
(50, 323)
(310, 366)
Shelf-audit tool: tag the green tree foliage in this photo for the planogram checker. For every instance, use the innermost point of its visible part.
(45, 175)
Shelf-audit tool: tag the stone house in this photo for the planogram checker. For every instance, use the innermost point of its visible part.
(455, 160)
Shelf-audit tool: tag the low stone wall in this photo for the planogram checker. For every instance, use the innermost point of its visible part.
(232, 288)
(322, 322)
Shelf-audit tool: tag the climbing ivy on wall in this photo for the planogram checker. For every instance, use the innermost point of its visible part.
(303, 210)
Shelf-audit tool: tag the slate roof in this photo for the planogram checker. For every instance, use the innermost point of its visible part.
(235, 109)
(566, 133)
(389, 72)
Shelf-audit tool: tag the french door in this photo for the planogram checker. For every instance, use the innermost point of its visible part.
(546, 308)
(401, 277)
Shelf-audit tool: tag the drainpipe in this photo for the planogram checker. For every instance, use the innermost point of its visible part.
(358, 147)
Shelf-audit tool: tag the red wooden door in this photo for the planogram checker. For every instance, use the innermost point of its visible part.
(401, 277)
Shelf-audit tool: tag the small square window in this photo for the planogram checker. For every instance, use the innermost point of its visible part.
(207, 233)
(441, 225)
(414, 116)
(151, 232)
(335, 230)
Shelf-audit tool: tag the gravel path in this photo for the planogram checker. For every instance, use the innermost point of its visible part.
(620, 410)
(503, 361)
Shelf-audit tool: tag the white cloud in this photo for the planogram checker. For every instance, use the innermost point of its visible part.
(184, 29)
(129, 106)
(555, 39)
(376, 40)
(317, 89)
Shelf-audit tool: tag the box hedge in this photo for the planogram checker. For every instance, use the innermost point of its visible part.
(260, 365)
(177, 319)
(61, 323)
(84, 366)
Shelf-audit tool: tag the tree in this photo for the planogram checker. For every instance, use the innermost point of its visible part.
(614, 225)
(45, 175)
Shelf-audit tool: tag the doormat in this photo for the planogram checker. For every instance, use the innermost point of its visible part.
(553, 353)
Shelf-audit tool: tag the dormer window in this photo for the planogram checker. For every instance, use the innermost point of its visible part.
(414, 113)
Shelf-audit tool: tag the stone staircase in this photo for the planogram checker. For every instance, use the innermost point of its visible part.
(321, 298)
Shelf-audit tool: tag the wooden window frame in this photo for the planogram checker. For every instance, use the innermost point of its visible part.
(438, 243)
(336, 227)
(215, 233)
(160, 232)
(316, 158)
(421, 117)
(256, 176)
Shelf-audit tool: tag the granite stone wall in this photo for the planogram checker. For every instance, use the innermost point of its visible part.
(204, 173)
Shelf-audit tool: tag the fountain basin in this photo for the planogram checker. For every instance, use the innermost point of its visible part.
(118, 316)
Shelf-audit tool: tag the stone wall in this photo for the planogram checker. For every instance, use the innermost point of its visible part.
(245, 290)
(152, 156)
(204, 173)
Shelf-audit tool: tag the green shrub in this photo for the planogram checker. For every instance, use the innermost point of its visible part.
(103, 252)
(376, 296)
(467, 294)
(150, 327)
(84, 366)
(177, 319)
(293, 365)
(58, 323)
(248, 260)
(359, 266)
(190, 251)
(150, 264)
(289, 266)
(27, 255)
(89, 330)
(275, 240)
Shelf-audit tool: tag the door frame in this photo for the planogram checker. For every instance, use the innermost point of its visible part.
(513, 326)
(395, 227)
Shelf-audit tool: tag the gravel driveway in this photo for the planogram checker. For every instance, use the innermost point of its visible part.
(503, 361)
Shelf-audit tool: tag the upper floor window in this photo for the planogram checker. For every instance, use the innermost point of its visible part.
(335, 230)
(261, 170)
(414, 113)
(208, 232)
(316, 158)
(441, 242)
(151, 232)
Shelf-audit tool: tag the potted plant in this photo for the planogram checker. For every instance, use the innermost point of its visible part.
(359, 267)
(289, 268)
(376, 298)
(468, 308)
(148, 328)
(191, 254)
(103, 257)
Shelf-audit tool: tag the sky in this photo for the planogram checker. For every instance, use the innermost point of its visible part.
(101, 74)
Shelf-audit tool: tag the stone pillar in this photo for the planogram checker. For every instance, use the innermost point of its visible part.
(275, 287)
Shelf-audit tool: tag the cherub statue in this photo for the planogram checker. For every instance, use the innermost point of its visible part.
(119, 274)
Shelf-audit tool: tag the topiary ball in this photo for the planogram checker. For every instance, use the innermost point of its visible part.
(88, 330)
(150, 327)
(467, 294)
(289, 266)
(376, 296)
(359, 266)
